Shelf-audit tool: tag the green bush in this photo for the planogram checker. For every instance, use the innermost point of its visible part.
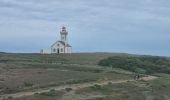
(139, 64)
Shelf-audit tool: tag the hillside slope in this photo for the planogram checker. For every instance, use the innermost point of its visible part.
(141, 64)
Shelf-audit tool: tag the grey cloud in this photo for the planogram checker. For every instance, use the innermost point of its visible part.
(129, 25)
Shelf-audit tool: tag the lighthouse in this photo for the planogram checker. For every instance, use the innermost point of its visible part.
(60, 46)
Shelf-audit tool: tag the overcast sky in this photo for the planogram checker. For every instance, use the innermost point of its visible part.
(128, 26)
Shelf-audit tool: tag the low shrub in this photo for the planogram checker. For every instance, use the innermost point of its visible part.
(68, 89)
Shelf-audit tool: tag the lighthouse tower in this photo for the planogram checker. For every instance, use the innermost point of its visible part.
(64, 34)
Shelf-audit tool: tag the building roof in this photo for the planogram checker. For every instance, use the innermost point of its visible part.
(63, 43)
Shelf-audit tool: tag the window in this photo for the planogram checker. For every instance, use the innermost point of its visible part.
(54, 50)
(61, 49)
(58, 44)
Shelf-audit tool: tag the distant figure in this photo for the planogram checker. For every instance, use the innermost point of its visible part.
(137, 77)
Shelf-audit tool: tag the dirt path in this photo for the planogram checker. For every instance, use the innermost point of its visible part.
(74, 87)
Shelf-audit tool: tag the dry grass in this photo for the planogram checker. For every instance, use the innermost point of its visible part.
(22, 72)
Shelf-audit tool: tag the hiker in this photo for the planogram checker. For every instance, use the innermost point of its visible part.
(138, 77)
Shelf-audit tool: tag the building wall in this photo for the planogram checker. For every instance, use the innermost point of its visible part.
(57, 48)
(68, 50)
(45, 51)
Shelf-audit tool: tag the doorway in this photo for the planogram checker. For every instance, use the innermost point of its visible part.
(58, 51)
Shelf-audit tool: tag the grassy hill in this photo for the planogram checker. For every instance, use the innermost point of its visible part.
(31, 72)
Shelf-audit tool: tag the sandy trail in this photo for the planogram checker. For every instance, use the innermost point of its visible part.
(73, 86)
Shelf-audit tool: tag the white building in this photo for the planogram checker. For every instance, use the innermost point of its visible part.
(61, 46)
